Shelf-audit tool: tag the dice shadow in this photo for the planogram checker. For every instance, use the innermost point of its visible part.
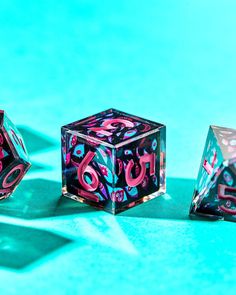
(174, 204)
(40, 198)
(21, 246)
(35, 141)
(37, 167)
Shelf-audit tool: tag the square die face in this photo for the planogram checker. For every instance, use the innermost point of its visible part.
(12, 166)
(87, 171)
(113, 126)
(138, 171)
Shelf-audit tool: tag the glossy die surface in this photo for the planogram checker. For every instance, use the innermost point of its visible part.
(14, 161)
(215, 192)
(113, 160)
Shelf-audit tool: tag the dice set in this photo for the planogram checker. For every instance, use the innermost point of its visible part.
(113, 160)
(14, 160)
(215, 192)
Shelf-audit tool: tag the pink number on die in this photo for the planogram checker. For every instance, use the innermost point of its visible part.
(107, 125)
(147, 158)
(17, 139)
(223, 196)
(84, 167)
(5, 182)
(209, 167)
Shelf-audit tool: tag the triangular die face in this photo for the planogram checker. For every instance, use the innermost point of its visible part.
(221, 198)
(15, 139)
(227, 141)
(212, 160)
(211, 165)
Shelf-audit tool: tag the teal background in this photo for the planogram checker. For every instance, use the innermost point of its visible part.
(170, 61)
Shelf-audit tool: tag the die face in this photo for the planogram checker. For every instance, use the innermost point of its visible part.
(211, 162)
(215, 192)
(210, 168)
(113, 127)
(87, 171)
(13, 166)
(139, 171)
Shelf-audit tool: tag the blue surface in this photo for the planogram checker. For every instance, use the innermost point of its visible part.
(169, 61)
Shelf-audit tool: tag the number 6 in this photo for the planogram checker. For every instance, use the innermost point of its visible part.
(84, 167)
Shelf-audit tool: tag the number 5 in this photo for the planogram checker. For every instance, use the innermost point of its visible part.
(222, 195)
(147, 158)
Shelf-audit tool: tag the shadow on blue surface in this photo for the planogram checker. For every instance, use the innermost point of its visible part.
(38, 198)
(35, 141)
(173, 205)
(21, 246)
(37, 167)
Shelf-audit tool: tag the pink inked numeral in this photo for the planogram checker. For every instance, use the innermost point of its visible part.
(222, 195)
(85, 168)
(209, 167)
(147, 158)
(107, 125)
(17, 140)
(6, 184)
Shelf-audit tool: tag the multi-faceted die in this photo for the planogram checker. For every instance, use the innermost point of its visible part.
(215, 191)
(14, 160)
(113, 160)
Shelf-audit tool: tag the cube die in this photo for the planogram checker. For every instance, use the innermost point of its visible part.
(113, 160)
